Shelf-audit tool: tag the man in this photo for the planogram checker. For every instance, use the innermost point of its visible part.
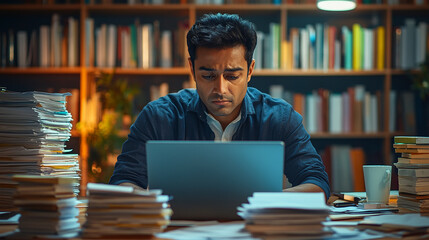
(222, 108)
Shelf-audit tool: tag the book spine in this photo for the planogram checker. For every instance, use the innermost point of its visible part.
(357, 45)
(380, 47)
(22, 48)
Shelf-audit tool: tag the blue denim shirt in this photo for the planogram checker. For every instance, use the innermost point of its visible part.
(181, 116)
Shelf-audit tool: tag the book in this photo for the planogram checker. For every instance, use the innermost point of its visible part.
(275, 43)
(304, 49)
(335, 113)
(414, 181)
(21, 37)
(413, 204)
(44, 179)
(411, 139)
(111, 46)
(414, 172)
(72, 42)
(347, 47)
(413, 160)
(358, 108)
(342, 172)
(380, 47)
(408, 165)
(11, 49)
(416, 155)
(44, 46)
(418, 190)
(357, 159)
(357, 47)
(410, 146)
(332, 32)
(412, 150)
(319, 46)
(166, 49)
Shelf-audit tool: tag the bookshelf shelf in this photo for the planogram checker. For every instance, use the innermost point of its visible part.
(40, 7)
(241, 7)
(407, 7)
(258, 72)
(392, 134)
(347, 135)
(140, 71)
(269, 72)
(313, 7)
(125, 8)
(40, 70)
(403, 72)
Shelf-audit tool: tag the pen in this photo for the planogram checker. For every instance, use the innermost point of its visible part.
(344, 204)
(347, 197)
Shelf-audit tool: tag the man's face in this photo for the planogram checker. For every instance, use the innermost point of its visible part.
(221, 78)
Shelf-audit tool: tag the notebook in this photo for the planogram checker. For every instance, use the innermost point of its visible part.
(208, 180)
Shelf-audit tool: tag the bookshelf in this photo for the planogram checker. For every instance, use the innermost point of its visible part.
(287, 15)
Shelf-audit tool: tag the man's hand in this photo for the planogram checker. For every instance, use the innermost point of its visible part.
(306, 187)
(132, 185)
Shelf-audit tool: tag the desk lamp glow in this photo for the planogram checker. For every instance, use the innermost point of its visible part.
(336, 5)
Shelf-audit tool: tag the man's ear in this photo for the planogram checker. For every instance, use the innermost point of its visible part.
(251, 67)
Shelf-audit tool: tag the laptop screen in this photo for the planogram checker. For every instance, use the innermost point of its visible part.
(209, 180)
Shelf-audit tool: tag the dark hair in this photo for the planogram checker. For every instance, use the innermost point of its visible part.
(220, 31)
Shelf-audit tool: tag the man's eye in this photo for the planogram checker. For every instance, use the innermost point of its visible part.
(231, 77)
(208, 77)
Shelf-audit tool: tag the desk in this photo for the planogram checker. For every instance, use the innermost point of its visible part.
(223, 230)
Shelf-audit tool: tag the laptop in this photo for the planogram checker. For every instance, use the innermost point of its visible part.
(208, 180)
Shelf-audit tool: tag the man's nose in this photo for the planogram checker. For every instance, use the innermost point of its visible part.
(220, 85)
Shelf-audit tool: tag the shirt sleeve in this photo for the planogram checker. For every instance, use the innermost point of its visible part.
(302, 163)
(131, 164)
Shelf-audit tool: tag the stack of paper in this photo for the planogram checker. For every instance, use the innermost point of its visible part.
(413, 173)
(121, 211)
(409, 226)
(285, 214)
(34, 127)
(82, 205)
(47, 205)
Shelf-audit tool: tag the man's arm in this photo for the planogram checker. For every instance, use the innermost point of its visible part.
(306, 187)
(132, 185)
(130, 167)
(303, 166)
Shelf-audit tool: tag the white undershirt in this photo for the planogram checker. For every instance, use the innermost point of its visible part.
(221, 135)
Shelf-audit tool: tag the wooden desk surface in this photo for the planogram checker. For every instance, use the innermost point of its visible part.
(170, 229)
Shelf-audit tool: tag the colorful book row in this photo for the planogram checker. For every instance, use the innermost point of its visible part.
(353, 111)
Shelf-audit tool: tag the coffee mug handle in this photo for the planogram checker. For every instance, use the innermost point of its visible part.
(387, 175)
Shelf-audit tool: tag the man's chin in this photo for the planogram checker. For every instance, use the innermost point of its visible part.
(221, 113)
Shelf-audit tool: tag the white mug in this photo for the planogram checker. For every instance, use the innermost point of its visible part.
(377, 183)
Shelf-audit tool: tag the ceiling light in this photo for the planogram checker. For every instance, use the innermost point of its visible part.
(336, 5)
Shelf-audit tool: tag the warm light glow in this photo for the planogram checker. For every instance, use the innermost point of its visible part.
(336, 5)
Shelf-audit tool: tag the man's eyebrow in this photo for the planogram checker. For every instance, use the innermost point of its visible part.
(226, 70)
(206, 69)
(234, 69)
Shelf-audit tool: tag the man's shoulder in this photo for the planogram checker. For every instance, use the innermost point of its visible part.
(180, 99)
(257, 97)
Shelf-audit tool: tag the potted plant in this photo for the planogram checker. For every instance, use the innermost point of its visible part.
(104, 140)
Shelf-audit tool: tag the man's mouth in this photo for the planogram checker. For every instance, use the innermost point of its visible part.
(221, 102)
